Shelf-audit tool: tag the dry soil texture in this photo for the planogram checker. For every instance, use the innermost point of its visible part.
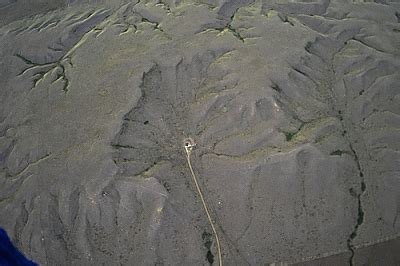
(294, 106)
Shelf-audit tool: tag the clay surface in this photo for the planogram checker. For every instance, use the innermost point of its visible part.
(294, 107)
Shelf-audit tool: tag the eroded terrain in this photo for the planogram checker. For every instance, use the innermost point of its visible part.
(294, 107)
